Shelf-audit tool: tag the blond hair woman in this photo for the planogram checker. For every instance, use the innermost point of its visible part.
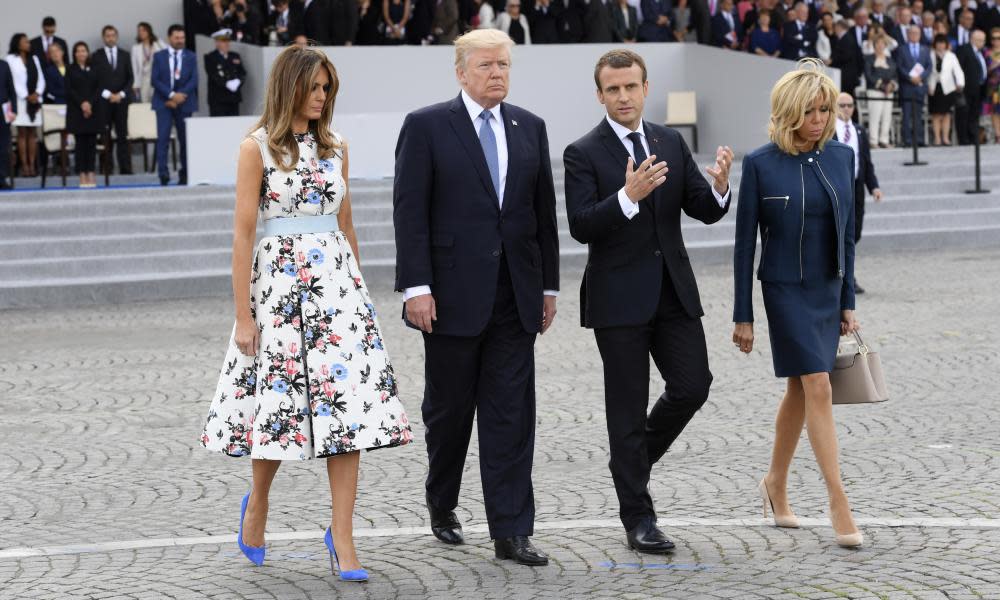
(798, 191)
(306, 375)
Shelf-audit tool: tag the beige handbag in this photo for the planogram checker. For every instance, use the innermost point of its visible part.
(857, 376)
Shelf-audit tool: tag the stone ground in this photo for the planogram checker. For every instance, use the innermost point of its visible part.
(107, 494)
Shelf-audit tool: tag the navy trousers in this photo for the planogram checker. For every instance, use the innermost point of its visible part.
(494, 373)
(4, 150)
(909, 106)
(165, 119)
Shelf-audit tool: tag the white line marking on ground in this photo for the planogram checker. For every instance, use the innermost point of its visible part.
(674, 523)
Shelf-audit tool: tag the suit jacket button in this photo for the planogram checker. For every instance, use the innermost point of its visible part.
(658, 253)
(496, 253)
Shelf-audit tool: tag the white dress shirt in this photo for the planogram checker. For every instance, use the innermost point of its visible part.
(496, 123)
(853, 142)
(176, 62)
(112, 54)
(629, 208)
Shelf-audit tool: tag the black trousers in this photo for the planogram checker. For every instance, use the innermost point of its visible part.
(4, 151)
(220, 109)
(118, 119)
(86, 152)
(677, 344)
(859, 208)
(494, 373)
(967, 119)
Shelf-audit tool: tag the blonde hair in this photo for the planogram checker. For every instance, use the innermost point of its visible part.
(793, 95)
(288, 88)
(480, 39)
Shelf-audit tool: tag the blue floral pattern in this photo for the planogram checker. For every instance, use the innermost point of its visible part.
(321, 383)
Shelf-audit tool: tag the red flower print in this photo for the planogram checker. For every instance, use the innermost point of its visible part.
(299, 438)
(304, 275)
(293, 348)
(328, 389)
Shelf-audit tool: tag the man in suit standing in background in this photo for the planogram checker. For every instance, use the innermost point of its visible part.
(569, 20)
(987, 15)
(8, 110)
(913, 61)
(314, 19)
(344, 17)
(175, 98)
(627, 182)
(727, 32)
(970, 57)
(226, 74)
(597, 25)
(855, 136)
(798, 39)
(113, 67)
(40, 45)
(477, 257)
(542, 16)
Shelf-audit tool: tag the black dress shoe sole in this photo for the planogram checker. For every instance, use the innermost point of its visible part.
(452, 541)
(528, 563)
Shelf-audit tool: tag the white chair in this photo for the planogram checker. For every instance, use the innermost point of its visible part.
(142, 129)
(55, 139)
(682, 111)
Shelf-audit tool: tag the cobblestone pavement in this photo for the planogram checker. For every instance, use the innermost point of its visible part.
(107, 494)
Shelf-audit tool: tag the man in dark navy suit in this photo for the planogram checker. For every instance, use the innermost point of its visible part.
(175, 98)
(798, 37)
(913, 61)
(477, 256)
(40, 45)
(627, 182)
(8, 110)
(727, 32)
(855, 136)
(113, 67)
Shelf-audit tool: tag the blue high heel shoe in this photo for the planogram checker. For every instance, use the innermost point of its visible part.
(255, 554)
(355, 575)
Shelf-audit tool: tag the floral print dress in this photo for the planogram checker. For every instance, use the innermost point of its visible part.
(321, 383)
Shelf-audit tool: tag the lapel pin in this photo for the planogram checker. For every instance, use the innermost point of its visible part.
(514, 122)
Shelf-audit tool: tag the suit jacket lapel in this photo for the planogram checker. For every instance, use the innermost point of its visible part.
(466, 133)
(514, 151)
(655, 149)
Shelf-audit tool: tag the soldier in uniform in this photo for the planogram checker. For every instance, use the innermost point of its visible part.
(225, 77)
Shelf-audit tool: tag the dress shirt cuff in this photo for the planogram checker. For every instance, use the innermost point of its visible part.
(719, 197)
(553, 293)
(629, 208)
(105, 94)
(413, 292)
(171, 95)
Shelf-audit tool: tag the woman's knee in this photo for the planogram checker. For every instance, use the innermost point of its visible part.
(816, 385)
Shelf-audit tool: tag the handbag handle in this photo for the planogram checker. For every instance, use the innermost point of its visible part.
(862, 347)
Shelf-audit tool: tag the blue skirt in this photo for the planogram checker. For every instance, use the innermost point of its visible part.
(804, 324)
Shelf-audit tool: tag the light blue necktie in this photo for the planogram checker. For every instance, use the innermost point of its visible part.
(489, 142)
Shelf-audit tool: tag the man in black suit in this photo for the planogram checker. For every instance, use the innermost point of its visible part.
(344, 22)
(225, 77)
(626, 20)
(847, 56)
(901, 26)
(8, 110)
(798, 39)
(598, 27)
(856, 137)
(962, 33)
(970, 56)
(638, 292)
(314, 19)
(113, 67)
(878, 15)
(913, 83)
(477, 257)
(40, 45)
(988, 16)
(569, 20)
(542, 17)
(727, 32)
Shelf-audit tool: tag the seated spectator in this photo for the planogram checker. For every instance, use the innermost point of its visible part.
(945, 80)
(798, 39)
(657, 21)
(764, 40)
(726, 30)
(55, 76)
(825, 34)
(882, 81)
(543, 20)
(513, 22)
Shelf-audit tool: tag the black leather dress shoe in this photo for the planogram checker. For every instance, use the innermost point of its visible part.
(445, 525)
(164, 180)
(520, 550)
(857, 288)
(646, 537)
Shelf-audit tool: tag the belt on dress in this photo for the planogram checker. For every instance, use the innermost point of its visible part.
(296, 225)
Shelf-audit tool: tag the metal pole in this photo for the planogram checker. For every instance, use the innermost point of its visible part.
(913, 135)
(979, 184)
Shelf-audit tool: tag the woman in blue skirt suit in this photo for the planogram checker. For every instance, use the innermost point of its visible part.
(798, 191)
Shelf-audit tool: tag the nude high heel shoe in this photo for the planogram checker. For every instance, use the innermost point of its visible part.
(850, 540)
(790, 522)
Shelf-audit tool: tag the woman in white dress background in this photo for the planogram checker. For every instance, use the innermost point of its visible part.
(306, 374)
(146, 45)
(29, 86)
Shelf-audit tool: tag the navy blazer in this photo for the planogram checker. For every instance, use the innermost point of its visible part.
(720, 27)
(7, 92)
(792, 40)
(904, 63)
(626, 257)
(450, 227)
(772, 200)
(55, 85)
(187, 84)
(650, 31)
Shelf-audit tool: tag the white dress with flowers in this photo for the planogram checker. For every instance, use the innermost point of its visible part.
(321, 383)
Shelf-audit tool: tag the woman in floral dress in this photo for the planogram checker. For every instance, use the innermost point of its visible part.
(306, 374)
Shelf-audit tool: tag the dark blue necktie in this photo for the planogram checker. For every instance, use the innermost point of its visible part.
(489, 142)
(637, 150)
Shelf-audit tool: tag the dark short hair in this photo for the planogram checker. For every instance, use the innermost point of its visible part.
(618, 59)
(15, 41)
(108, 28)
(173, 28)
(940, 39)
(48, 22)
(77, 45)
